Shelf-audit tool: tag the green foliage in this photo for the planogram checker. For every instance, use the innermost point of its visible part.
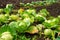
(39, 18)
(40, 27)
(23, 37)
(6, 28)
(1, 10)
(14, 17)
(58, 28)
(51, 23)
(50, 1)
(48, 32)
(44, 12)
(3, 18)
(32, 30)
(8, 8)
(58, 38)
(6, 36)
(27, 22)
(39, 3)
(34, 38)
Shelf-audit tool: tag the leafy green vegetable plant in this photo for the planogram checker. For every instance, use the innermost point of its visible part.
(22, 24)
(8, 8)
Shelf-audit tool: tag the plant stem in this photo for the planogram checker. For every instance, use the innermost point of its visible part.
(53, 35)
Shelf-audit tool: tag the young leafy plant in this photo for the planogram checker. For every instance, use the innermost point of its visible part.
(8, 8)
(7, 33)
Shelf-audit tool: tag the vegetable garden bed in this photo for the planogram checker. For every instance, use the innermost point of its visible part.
(29, 23)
